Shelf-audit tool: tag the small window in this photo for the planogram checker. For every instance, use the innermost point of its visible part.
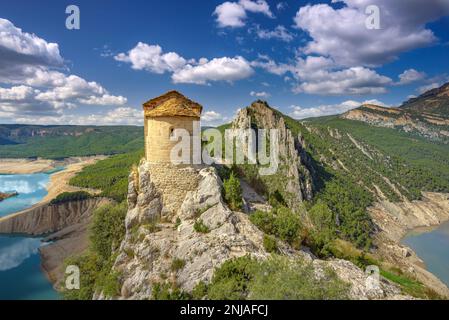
(172, 132)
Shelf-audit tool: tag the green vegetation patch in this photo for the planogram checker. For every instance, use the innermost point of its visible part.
(69, 141)
(109, 175)
(106, 234)
(70, 196)
(277, 278)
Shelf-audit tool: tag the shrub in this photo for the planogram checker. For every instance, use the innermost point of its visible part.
(89, 265)
(177, 264)
(282, 279)
(280, 222)
(278, 278)
(108, 229)
(233, 192)
(167, 291)
(200, 227)
(199, 291)
(270, 244)
(287, 225)
(231, 280)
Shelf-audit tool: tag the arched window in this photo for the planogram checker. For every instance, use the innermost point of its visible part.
(172, 132)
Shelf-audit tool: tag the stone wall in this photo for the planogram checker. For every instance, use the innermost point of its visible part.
(173, 183)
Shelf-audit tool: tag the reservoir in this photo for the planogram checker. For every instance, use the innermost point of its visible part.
(21, 276)
(433, 248)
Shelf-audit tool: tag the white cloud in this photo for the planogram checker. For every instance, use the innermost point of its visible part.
(151, 58)
(16, 253)
(33, 81)
(257, 6)
(280, 33)
(117, 116)
(26, 48)
(230, 14)
(428, 87)
(318, 75)
(234, 14)
(410, 75)
(354, 81)
(331, 109)
(105, 100)
(16, 93)
(281, 6)
(323, 110)
(218, 69)
(342, 35)
(261, 94)
(210, 116)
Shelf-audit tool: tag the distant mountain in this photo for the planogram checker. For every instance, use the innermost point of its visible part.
(26, 141)
(433, 103)
(432, 127)
(426, 115)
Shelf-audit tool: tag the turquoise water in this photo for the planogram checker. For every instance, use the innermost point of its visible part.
(21, 277)
(31, 189)
(433, 248)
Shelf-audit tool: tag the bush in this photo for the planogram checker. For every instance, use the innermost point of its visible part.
(278, 278)
(270, 244)
(70, 196)
(167, 291)
(199, 291)
(233, 192)
(280, 222)
(108, 229)
(177, 264)
(231, 280)
(200, 227)
(282, 279)
(287, 225)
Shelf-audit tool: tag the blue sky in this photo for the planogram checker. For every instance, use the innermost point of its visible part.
(307, 58)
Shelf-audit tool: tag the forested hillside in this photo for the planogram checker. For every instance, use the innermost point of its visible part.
(54, 142)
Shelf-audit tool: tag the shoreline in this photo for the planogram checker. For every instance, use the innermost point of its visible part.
(58, 182)
(398, 220)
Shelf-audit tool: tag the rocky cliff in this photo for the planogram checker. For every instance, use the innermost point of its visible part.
(293, 179)
(48, 218)
(204, 233)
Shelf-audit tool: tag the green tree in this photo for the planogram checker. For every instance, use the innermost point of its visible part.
(233, 192)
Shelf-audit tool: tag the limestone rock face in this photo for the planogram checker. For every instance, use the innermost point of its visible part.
(152, 244)
(362, 285)
(294, 171)
(206, 196)
(147, 253)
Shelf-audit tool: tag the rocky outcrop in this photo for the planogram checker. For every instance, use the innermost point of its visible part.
(7, 195)
(294, 173)
(151, 244)
(203, 235)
